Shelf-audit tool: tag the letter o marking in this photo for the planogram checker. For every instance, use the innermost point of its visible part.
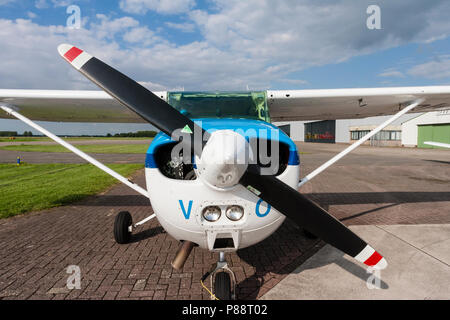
(258, 213)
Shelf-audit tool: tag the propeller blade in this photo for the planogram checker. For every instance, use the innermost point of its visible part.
(310, 216)
(133, 95)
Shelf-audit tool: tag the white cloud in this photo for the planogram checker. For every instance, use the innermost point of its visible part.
(184, 27)
(296, 35)
(438, 69)
(142, 36)
(4, 2)
(297, 82)
(41, 4)
(391, 73)
(159, 87)
(62, 3)
(244, 43)
(33, 62)
(31, 15)
(160, 6)
(107, 29)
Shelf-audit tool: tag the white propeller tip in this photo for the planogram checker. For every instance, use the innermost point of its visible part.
(74, 55)
(63, 48)
(382, 264)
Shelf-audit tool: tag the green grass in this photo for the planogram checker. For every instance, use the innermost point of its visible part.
(104, 138)
(31, 187)
(93, 148)
(25, 139)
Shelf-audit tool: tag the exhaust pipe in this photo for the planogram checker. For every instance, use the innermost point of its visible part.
(182, 255)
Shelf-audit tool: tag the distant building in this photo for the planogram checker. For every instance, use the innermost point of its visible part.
(410, 130)
(320, 131)
(391, 136)
(431, 126)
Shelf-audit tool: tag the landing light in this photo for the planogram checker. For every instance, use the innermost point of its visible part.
(211, 213)
(235, 213)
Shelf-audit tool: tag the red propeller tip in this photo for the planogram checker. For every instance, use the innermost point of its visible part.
(370, 257)
(74, 55)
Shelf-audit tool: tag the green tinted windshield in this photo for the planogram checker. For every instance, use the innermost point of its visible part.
(248, 105)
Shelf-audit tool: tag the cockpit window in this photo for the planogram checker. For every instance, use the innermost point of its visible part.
(247, 105)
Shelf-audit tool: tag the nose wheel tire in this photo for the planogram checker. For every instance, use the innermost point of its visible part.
(122, 223)
(222, 286)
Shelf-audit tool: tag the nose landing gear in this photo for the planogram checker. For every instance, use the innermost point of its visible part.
(223, 280)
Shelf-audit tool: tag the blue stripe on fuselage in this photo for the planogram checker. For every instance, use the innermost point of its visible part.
(251, 128)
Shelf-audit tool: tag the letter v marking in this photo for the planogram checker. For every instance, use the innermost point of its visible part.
(188, 213)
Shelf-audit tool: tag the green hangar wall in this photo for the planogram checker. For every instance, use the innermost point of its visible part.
(433, 132)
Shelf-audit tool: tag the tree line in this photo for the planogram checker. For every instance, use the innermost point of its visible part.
(15, 134)
(139, 134)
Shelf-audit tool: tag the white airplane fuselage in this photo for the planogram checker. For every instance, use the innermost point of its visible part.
(178, 204)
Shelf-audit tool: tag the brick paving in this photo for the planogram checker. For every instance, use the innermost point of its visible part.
(380, 185)
(38, 247)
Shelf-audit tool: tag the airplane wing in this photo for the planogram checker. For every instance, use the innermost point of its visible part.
(331, 104)
(68, 106)
(284, 105)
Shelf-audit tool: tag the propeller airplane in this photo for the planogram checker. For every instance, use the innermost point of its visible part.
(219, 175)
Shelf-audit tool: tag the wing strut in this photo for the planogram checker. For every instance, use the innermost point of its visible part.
(437, 144)
(359, 142)
(77, 151)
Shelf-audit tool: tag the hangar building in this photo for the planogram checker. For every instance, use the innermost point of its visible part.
(410, 130)
(431, 126)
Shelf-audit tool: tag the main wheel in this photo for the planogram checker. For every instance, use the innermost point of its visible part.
(222, 286)
(123, 221)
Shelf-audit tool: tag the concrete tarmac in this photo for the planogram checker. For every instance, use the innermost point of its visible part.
(418, 268)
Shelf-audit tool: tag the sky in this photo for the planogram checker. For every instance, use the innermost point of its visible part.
(226, 44)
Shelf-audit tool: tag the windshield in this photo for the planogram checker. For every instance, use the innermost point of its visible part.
(247, 105)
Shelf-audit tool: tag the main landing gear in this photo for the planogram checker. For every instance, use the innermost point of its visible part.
(123, 226)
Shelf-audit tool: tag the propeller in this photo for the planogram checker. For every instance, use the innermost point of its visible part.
(270, 189)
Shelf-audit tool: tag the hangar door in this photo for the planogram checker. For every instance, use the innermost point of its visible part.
(433, 132)
(321, 131)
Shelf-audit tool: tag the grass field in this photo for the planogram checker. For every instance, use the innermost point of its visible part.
(92, 148)
(31, 187)
(25, 139)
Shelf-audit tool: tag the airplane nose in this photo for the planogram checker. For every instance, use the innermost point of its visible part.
(224, 159)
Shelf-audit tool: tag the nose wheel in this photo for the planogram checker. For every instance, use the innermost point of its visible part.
(223, 280)
(222, 286)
